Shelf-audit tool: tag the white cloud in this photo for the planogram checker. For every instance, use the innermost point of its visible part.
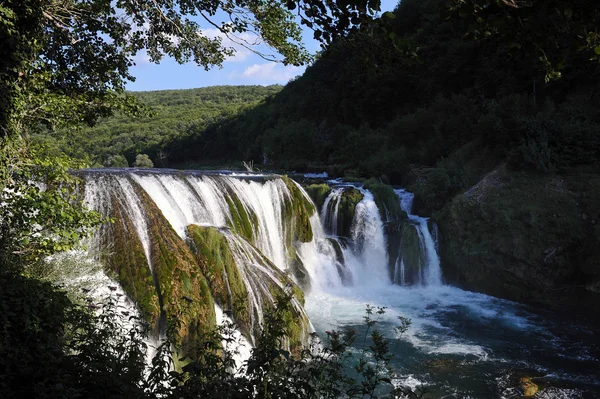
(271, 72)
(241, 53)
(141, 58)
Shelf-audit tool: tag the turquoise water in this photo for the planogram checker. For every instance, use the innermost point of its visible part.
(468, 345)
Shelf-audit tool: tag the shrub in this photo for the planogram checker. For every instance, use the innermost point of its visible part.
(117, 161)
(143, 161)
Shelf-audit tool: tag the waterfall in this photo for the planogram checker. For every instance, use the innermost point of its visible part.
(162, 220)
(369, 243)
(239, 235)
(426, 262)
(330, 210)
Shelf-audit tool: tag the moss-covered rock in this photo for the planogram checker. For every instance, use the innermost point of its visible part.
(432, 188)
(412, 255)
(243, 222)
(218, 266)
(229, 277)
(393, 234)
(298, 270)
(528, 387)
(183, 289)
(299, 211)
(346, 209)
(386, 199)
(127, 260)
(278, 285)
(522, 236)
(318, 193)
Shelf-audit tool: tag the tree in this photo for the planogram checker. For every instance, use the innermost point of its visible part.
(143, 161)
(67, 61)
(557, 34)
(117, 161)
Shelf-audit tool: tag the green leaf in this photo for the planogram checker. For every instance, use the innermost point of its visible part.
(389, 15)
(597, 50)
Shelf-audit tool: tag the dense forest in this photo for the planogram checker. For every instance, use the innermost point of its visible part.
(371, 107)
(174, 114)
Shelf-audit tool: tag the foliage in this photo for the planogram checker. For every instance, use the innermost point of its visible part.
(143, 161)
(318, 193)
(67, 62)
(522, 26)
(117, 161)
(69, 353)
(52, 348)
(40, 211)
(319, 371)
(176, 114)
(364, 109)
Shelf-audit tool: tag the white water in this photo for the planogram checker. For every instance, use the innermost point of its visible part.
(329, 219)
(429, 246)
(202, 200)
(98, 194)
(369, 264)
(234, 343)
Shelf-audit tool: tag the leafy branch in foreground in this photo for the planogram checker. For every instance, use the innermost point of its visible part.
(41, 212)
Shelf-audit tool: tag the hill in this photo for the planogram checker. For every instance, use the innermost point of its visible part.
(175, 114)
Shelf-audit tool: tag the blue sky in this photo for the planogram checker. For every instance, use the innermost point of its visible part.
(244, 68)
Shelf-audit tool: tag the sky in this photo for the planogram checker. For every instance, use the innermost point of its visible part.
(244, 68)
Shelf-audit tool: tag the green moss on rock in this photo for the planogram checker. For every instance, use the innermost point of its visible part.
(299, 212)
(243, 222)
(183, 289)
(412, 255)
(218, 266)
(518, 236)
(298, 270)
(318, 193)
(347, 208)
(386, 199)
(296, 322)
(128, 261)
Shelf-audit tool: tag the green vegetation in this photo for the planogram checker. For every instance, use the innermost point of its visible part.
(218, 265)
(497, 136)
(547, 243)
(318, 193)
(386, 200)
(243, 223)
(346, 210)
(176, 114)
(128, 261)
(65, 64)
(142, 161)
(299, 211)
(182, 288)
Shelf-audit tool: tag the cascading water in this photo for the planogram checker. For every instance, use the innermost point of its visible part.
(453, 332)
(369, 243)
(250, 214)
(330, 210)
(424, 260)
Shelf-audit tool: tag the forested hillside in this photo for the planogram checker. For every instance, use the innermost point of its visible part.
(176, 113)
(365, 108)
